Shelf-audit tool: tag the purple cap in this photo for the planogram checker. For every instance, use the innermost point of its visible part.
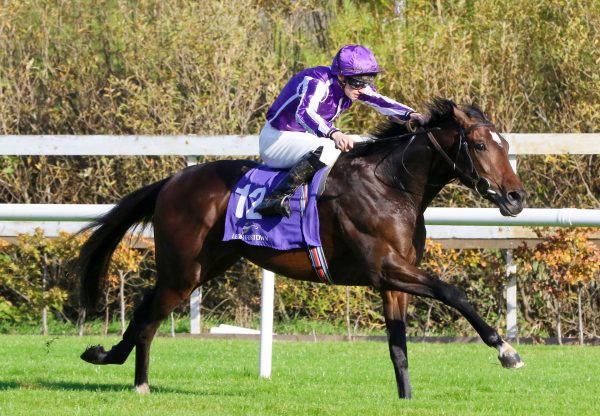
(354, 60)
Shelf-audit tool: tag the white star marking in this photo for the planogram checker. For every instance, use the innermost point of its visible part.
(496, 138)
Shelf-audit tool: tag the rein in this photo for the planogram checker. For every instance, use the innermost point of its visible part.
(480, 184)
(394, 138)
(411, 134)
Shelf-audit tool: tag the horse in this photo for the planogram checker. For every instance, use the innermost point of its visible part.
(372, 229)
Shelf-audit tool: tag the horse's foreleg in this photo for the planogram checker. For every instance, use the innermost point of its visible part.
(399, 275)
(394, 310)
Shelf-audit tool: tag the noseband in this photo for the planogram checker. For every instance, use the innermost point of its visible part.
(477, 182)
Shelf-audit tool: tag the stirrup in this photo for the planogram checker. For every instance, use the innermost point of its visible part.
(284, 206)
(274, 206)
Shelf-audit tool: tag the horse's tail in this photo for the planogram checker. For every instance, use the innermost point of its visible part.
(96, 252)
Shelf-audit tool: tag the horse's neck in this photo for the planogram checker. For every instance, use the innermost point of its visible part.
(440, 172)
(427, 172)
(412, 170)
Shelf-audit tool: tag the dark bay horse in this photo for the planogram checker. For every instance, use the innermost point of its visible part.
(372, 229)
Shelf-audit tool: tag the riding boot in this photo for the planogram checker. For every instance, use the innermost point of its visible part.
(278, 201)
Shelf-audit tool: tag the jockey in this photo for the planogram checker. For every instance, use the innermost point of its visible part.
(299, 132)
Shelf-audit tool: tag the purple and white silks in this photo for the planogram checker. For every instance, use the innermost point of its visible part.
(281, 233)
(313, 98)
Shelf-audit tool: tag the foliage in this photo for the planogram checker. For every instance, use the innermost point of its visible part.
(566, 258)
(37, 272)
(30, 273)
(119, 67)
(553, 271)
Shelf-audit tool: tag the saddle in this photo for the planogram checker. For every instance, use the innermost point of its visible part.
(300, 230)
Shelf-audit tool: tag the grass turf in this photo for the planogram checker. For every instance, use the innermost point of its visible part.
(44, 376)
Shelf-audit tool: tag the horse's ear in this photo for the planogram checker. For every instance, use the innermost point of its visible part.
(463, 119)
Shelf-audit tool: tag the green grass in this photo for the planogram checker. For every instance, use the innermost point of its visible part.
(44, 376)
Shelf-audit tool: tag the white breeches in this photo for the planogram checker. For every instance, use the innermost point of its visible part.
(283, 149)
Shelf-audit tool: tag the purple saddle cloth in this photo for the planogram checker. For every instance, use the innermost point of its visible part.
(301, 230)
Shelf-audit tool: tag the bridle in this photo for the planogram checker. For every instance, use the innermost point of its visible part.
(477, 182)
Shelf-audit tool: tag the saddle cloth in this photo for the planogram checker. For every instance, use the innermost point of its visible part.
(301, 230)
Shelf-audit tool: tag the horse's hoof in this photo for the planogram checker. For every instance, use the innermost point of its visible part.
(142, 389)
(95, 354)
(508, 356)
(405, 395)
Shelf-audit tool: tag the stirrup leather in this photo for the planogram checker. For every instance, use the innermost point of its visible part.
(278, 201)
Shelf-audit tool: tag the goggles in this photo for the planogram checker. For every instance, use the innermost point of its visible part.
(360, 81)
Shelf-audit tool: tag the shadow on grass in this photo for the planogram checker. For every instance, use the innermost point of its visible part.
(9, 385)
(48, 385)
(105, 388)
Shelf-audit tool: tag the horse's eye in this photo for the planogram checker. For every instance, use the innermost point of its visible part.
(479, 146)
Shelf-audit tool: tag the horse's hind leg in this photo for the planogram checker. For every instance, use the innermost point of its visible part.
(119, 353)
(163, 301)
(155, 307)
(175, 284)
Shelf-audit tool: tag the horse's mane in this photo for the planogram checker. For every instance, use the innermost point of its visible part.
(439, 111)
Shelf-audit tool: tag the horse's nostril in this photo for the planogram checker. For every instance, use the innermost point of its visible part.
(514, 196)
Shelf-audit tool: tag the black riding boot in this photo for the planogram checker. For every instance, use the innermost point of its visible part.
(278, 201)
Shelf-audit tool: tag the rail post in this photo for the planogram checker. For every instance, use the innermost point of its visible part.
(266, 323)
(511, 287)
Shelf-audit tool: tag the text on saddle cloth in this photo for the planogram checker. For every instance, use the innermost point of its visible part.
(301, 230)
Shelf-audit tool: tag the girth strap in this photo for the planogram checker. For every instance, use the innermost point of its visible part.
(316, 254)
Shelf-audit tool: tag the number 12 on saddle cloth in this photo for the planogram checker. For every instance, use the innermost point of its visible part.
(300, 230)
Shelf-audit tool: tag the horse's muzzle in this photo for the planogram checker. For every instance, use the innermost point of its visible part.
(511, 202)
